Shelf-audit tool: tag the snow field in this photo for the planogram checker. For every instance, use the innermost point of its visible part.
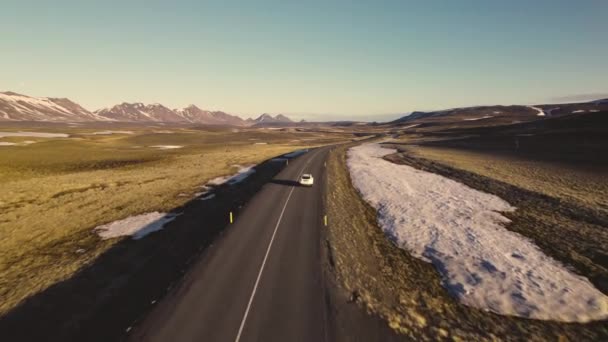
(461, 231)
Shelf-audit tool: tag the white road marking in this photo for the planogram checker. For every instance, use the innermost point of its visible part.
(257, 281)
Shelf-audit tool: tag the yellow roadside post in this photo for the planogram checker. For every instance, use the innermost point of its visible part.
(231, 217)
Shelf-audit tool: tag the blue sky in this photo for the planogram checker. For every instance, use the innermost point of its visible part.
(312, 59)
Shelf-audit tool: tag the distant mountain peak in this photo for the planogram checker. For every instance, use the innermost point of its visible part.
(268, 118)
(282, 118)
(264, 117)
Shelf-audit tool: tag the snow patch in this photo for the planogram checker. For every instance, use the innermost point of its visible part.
(167, 147)
(241, 175)
(410, 126)
(136, 226)
(461, 232)
(33, 134)
(550, 111)
(23, 143)
(540, 112)
(481, 118)
(260, 143)
(207, 197)
(111, 132)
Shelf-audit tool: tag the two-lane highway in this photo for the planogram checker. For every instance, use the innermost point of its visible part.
(262, 280)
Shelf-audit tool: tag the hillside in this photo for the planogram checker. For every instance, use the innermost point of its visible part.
(17, 107)
(269, 120)
(489, 116)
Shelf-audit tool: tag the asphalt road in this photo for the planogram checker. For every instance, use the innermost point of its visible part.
(262, 280)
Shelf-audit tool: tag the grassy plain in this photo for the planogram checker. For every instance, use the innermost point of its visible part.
(56, 190)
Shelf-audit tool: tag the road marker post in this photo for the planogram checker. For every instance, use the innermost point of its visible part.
(325, 220)
(231, 220)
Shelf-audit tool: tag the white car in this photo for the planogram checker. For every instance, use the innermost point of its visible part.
(306, 179)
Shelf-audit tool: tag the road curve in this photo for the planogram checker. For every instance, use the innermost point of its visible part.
(262, 280)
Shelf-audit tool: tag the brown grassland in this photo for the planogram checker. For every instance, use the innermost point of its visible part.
(56, 190)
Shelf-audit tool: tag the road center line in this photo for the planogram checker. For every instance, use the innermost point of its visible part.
(257, 281)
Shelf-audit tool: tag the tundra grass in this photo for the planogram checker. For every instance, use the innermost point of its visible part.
(586, 185)
(55, 191)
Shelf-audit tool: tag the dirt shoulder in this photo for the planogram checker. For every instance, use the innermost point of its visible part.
(407, 292)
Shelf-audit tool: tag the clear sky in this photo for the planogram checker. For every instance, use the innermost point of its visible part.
(312, 59)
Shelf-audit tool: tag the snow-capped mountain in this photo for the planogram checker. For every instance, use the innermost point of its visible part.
(228, 119)
(157, 112)
(196, 115)
(140, 112)
(17, 107)
(269, 119)
(264, 118)
(282, 118)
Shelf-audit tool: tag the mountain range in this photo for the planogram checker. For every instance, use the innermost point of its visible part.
(18, 107)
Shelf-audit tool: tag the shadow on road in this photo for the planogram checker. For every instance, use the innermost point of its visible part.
(285, 182)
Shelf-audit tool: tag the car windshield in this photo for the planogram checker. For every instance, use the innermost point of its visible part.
(306, 177)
